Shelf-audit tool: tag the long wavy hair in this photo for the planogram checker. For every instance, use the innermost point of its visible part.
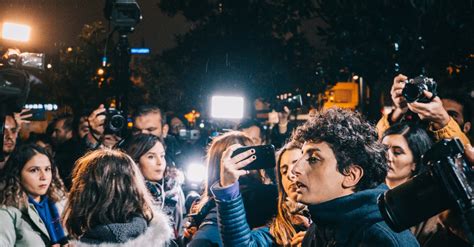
(214, 156)
(12, 193)
(107, 187)
(282, 228)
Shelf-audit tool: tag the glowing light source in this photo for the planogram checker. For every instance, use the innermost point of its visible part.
(196, 173)
(229, 107)
(16, 32)
(100, 71)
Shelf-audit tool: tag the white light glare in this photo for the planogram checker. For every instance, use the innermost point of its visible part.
(227, 107)
(196, 173)
(16, 32)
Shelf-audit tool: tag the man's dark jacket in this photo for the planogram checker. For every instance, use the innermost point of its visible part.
(353, 220)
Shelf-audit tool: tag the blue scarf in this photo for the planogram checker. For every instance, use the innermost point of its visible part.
(48, 212)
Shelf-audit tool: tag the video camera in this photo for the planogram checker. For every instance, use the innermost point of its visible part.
(189, 134)
(123, 14)
(15, 83)
(292, 102)
(446, 183)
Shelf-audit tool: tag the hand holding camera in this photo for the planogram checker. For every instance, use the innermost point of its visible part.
(432, 110)
(398, 100)
(96, 122)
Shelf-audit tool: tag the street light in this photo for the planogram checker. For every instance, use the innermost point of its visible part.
(16, 32)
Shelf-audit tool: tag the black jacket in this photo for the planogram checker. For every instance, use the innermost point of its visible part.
(353, 220)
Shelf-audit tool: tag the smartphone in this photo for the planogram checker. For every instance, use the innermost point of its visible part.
(36, 115)
(265, 157)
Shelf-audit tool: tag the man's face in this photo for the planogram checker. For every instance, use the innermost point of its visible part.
(176, 125)
(83, 128)
(10, 135)
(149, 124)
(254, 133)
(454, 110)
(60, 135)
(317, 177)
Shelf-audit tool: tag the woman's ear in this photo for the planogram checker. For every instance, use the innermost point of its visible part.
(352, 176)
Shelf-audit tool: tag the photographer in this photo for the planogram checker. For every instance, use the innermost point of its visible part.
(96, 137)
(441, 124)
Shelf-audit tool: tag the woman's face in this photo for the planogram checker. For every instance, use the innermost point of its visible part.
(36, 176)
(288, 160)
(153, 163)
(400, 159)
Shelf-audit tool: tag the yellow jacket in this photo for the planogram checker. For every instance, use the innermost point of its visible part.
(449, 131)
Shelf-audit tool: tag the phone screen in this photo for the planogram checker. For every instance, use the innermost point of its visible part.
(265, 157)
(36, 115)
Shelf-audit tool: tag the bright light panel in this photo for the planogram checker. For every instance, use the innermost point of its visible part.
(16, 32)
(227, 107)
(196, 173)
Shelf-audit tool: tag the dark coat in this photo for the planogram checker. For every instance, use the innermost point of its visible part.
(353, 220)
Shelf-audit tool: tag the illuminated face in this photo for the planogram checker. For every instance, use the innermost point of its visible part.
(317, 177)
(254, 133)
(36, 176)
(153, 163)
(287, 162)
(149, 124)
(10, 135)
(400, 160)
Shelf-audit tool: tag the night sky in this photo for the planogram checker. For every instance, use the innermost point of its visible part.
(60, 21)
(55, 21)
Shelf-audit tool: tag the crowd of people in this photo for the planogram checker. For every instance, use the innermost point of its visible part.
(78, 184)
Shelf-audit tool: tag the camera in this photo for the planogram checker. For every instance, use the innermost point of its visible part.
(15, 82)
(446, 182)
(414, 88)
(115, 121)
(124, 14)
(189, 135)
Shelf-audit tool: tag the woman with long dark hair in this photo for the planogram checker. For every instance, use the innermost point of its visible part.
(30, 189)
(148, 152)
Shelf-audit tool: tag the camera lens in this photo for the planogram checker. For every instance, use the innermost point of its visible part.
(412, 92)
(117, 122)
(412, 202)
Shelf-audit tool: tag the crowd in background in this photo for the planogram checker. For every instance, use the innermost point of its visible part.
(80, 184)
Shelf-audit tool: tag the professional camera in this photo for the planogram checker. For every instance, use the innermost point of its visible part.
(292, 102)
(123, 14)
(115, 121)
(189, 135)
(414, 88)
(15, 82)
(446, 183)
